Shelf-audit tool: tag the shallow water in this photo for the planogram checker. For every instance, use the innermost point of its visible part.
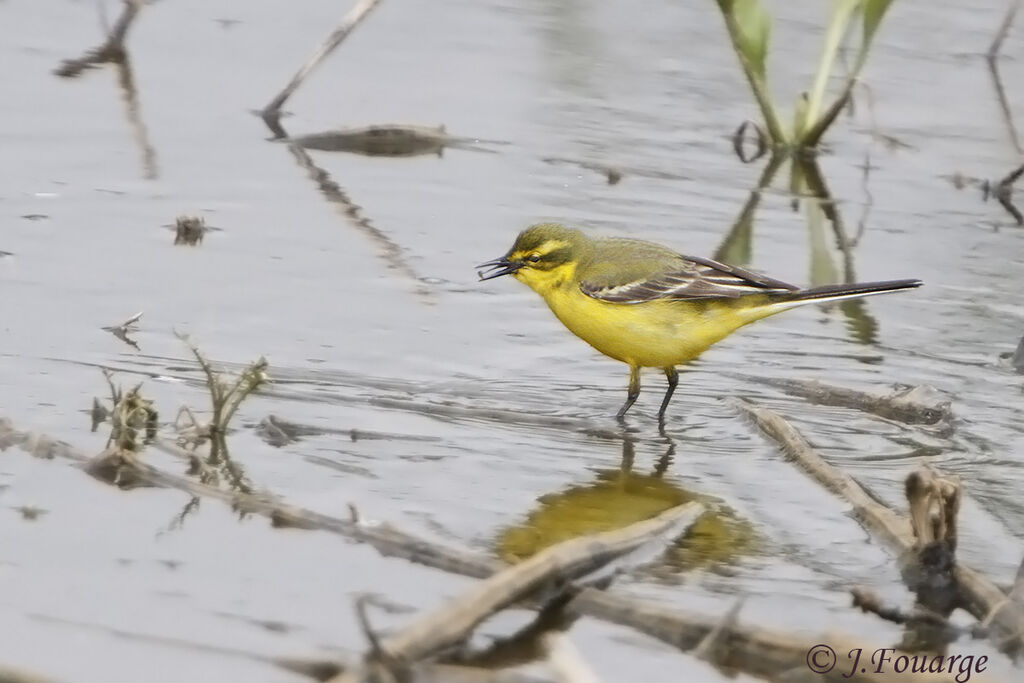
(376, 323)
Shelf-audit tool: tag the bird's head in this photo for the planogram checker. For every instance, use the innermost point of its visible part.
(543, 255)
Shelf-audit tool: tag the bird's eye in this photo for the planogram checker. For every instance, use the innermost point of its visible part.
(533, 258)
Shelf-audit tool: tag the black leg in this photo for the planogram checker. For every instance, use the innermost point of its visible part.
(634, 390)
(673, 380)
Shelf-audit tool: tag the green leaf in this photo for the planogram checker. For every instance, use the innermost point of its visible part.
(874, 10)
(754, 32)
(749, 28)
(842, 12)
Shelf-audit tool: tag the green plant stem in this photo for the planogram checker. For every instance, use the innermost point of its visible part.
(757, 83)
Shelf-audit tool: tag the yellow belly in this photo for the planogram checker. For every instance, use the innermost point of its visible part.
(652, 334)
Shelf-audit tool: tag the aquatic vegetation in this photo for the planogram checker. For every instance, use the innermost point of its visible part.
(189, 230)
(131, 417)
(226, 395)
(749, 28)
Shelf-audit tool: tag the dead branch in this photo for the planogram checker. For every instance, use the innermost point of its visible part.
(753, 650)
(385, 538)
(911, 405)
(914, 541)
(557, 565)
(713, 647)
(525, 645)
(271, 114)
(565, 660)
(878, 519)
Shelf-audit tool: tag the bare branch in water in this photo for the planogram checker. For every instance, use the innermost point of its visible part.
(926, 541)
(271, 114)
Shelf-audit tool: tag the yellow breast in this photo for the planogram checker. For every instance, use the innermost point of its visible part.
(652, 334)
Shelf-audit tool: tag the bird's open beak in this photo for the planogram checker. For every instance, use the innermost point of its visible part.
(498, 267)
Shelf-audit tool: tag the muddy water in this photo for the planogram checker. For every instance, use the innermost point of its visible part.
(496, 422)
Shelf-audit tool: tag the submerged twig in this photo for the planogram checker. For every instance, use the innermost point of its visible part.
(870, 602)
(753, 650)
(271, 114)
(910, 405)
(565, 660)
(973, 591)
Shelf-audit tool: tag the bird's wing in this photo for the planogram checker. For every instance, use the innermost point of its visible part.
(679, 278)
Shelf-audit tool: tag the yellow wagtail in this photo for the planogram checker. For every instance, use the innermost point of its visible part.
(646, 305)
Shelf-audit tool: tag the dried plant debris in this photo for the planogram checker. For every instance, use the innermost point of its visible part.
(133, 419)
(934, 503)
(30, 513)
(122, 330)
(9, 675)
(926, 541)
(133, 423)
(189, 230)
(755, 650)
(118, 468)
(271, 113)
(545, 574)
(226, 394)
(922, 404)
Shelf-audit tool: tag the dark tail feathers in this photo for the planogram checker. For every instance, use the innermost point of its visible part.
(833, 292)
